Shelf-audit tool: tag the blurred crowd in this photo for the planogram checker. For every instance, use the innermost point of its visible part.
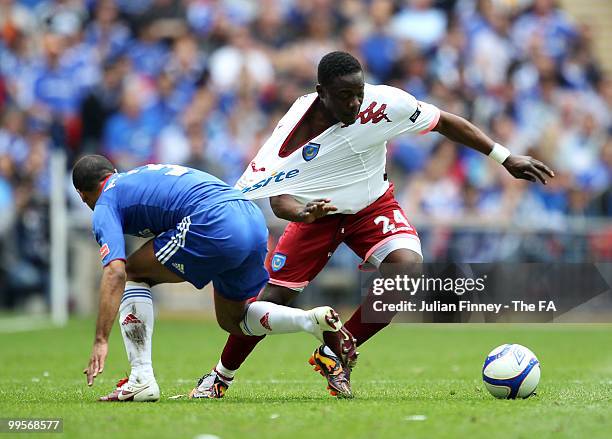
(203, 82)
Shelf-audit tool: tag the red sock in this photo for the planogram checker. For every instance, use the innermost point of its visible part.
(237, 349)
(364, 331)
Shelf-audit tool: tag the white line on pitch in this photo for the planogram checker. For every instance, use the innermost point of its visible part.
(22, 324)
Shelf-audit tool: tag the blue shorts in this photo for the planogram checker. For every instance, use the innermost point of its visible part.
(225, 243)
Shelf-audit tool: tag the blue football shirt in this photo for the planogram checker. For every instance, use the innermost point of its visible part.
(152, 199)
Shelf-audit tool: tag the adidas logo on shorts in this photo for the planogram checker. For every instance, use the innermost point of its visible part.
(179, 267)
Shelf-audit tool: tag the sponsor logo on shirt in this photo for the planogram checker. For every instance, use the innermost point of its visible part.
(416, 114)
(370, 114)
(276, 177)
(104, 251)
(255, 168)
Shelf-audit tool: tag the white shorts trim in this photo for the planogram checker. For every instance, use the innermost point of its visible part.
(380, 251)
(295, 286)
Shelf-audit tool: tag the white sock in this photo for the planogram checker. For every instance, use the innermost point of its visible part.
(136, 320)
(224, 371)
(263, 318)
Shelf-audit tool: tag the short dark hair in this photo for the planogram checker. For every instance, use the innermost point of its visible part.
(89, 171)
(336, 64)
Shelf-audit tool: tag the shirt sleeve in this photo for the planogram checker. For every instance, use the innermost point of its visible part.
(414, 116)
(108, 232)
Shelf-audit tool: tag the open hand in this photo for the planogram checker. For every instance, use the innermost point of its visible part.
(96, 361)
(316, 209)
(527, 168)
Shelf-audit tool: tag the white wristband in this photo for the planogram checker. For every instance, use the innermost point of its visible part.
(499, 153)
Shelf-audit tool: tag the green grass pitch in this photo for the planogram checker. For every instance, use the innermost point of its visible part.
(412, 381)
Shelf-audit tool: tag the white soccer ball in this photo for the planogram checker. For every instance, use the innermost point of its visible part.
(511, 371)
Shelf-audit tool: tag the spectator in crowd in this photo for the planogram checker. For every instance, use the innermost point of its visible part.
(418, 21)
(102, 101)
(106, 35)
(130, 134)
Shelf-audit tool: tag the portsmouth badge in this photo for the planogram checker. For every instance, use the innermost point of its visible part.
(278, 261)
(310, 151)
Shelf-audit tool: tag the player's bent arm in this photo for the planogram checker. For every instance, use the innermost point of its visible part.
(288, 208)
(462, 131)
(111, 291)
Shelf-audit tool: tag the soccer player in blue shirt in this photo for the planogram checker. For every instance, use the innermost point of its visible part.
(203, 230)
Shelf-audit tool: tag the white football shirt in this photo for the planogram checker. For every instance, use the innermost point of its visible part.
(344, 163)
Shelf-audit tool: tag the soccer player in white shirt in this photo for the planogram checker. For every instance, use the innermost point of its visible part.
(323, 169)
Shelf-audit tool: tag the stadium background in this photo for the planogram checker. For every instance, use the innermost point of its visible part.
(202, 83)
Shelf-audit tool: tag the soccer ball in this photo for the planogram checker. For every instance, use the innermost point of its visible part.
(511, 371)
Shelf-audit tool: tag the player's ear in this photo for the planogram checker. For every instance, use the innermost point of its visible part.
(320, 91)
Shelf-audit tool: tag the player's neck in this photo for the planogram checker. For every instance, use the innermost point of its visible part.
(321, 116)
(98, 192)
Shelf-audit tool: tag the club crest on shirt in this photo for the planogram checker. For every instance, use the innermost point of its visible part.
(278, 261)
(310, 151)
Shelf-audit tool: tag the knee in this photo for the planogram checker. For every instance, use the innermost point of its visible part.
(277, 294)
(136, 273)
(132, 271)
(402, 261)
(231, 325)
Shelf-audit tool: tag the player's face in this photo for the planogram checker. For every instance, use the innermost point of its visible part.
(88, 199)
(343, 97)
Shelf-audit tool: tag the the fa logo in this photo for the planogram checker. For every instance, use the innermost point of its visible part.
(310, 151)
(519, 355)
(278, 261)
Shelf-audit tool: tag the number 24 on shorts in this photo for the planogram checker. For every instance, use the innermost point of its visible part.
(391, 227)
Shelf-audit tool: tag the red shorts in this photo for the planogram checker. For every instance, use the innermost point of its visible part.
(304, 249)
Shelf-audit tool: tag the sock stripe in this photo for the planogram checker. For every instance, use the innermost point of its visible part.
(137, 291)
(246, 326)
(129, 293)
(223, 377)
(144, 290)
(135, 296)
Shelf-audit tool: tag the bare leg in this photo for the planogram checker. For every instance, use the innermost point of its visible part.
(401, 261)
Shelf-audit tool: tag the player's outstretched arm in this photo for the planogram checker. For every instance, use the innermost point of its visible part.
(462, 131)
(111, 290)
(290, 209)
